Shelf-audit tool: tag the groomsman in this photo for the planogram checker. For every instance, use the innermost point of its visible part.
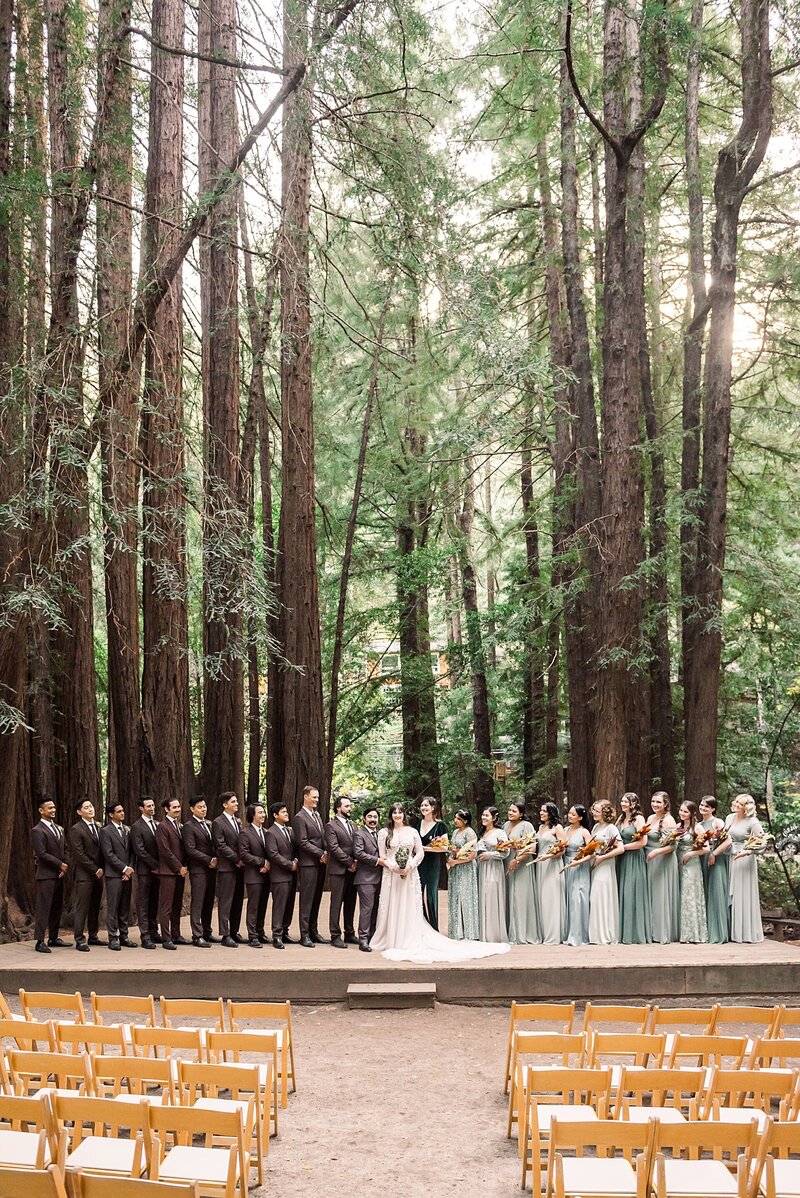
(230, 871)
(339, 834)
(49, 845)
(369, 875)
(143, 839)
(115, 841)
(253, 852)
(201, 858)
(283, 869)
(172, 873)
(87, 863)
(312, 858)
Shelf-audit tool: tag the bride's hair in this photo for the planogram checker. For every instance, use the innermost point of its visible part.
(390, 822)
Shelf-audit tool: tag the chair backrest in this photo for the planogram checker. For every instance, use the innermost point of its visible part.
(92, 1185)
(567, 1047)
(537, 1013)
(681, 1089)
(20, 1112)
(646, 1048)
(131, 1075)
(586, 1087)
(701, 1019)
(193, 1008)
(31, 1070)
(167, 1041)
(605, 1136)
(784, 1140)
(26, 1034)
(123, 1004)
(754, 1021)
(223, 1046)
(723, 1051)
(88, 1037)
(48, 1000)
(699, 1137)
(186, 1122)
(5, 1010)
(207, 1080)
(98, 1116)
(32, 1183)
(758, 1089)
(786, 1019)
(597, 1015)
(778, 1052)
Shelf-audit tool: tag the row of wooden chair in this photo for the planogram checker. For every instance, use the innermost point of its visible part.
(50, 1183)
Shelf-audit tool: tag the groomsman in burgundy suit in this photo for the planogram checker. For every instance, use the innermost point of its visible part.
(283, 869)
(143, 838)
(49, 845)
(312, 858)
(230, 870)
(172, 873)
(201, 858)
(369, 876)
(339, 834)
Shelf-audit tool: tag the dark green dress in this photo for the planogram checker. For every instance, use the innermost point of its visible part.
(634, 892)
(717, 880)
(429, 872)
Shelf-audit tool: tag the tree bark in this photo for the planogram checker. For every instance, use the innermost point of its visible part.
(533, 692)
(483, 775)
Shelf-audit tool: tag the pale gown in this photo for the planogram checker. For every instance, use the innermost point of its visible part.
(746, 925)
(550, 889)
(603, 897)
(524, 926)
(492, 887)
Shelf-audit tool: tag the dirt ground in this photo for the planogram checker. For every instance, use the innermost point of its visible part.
(407, 1102)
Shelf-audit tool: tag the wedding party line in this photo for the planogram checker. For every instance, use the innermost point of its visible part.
(612, 878)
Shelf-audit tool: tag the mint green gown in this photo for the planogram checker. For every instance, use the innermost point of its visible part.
(634, 892)
(693, 904)
(716, 878)
(662, 877)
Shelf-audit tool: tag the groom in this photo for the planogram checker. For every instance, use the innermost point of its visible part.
(368, 877)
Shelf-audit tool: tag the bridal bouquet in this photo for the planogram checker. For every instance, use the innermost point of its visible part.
(401, 856)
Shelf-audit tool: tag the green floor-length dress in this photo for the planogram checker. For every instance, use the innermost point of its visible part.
(717, 882)
(662, 876)
(634, 892)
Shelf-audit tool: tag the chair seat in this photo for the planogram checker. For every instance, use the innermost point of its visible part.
(103, 1154)
(614, 1178)
(154, 1099)
(709, 1178)
(18, 1149)
(663, 1114)
(266, 1031)
(616, 1073)
(787, 1179)
(741, 1115)
(222, 1104)
(62, 1093)
(184, 1163)
(263, 1069)
(577, 1113)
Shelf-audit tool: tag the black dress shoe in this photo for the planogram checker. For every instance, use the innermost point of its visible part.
(170, 944)
(41, 947)
(128, 943)
(307, 942)
(256, 942)
(115, 946)
(147, 943)
(338, 943)
(199, 942)
(351, 938)
(211, 939)
(263, 939)
(277, 942)
(158, 939)
(287, 939)
(82, 948)
(315, 936)
(229, 942)
(364, 946)
(240, 939)
(181, 940)
(97, 942)
(57, 943)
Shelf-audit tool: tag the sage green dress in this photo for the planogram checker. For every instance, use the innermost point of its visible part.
(550, 889)
(662, 878)
(577, 884)
(634, 892)
(717, 888)
(693, 904)
(523, 905)
(463, 920)
(492, 887)
(745, 903)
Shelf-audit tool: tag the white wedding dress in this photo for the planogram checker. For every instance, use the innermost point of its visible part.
(402, 933)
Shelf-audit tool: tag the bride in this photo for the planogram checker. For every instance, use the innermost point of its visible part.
(402, 933)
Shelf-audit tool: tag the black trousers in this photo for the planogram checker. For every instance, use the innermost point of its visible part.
(147, 905)
(49, 905)
(118, 907)
(257, 899)
(87, 894)
(170, 901)
(282, 897)
(311, 882)
(230, 899)
(201, 904)
(343, 893)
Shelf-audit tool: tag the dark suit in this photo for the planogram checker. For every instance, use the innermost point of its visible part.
(171, 856)
(253, 851)
(309, 836)
(50, 850)
(146, 852)
(280, 853)
(369, 876)
(199, 853)
(230, 875)
(118, 856)
(341, 858)
(87, 888)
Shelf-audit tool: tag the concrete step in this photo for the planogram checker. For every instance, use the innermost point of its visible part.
(391, 995)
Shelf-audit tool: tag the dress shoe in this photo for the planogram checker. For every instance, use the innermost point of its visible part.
(126, 943)
(240, 939)
(277, 942)
(58, 943)
(41, 947)
(337, 942)
(199, 942)
(315, 936)
(262, 939)
(115, 946)
(229, 942)
(181, 940)
(364, 946)
(158, 939)
(81, 947)
(287, 939)
(351, 938)
(97, 942)
(211, 939)
(255, 942)
(307, 942)
(170, 944)
(147, 943)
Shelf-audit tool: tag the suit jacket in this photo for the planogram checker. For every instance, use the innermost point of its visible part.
(281, 853)
(365, 847)
(253, 853)
(116, 855)
(48, 850)
(144, 847)
(171, 851)
(226, 844)
(199, 845)
(309, 837)
(339, 840)
(87, 856)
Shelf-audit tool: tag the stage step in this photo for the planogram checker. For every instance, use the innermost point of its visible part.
(391, 995)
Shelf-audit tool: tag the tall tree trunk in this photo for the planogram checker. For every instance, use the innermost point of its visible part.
(533, 694)
(491, 577)
(167, 767)
(296, 742)
(483, 776)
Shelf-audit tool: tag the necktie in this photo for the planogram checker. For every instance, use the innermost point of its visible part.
(260, 834)
(152, 826)
(205, 828)
(93, 831)
(286, 833)
(121, 830)
(54, 829)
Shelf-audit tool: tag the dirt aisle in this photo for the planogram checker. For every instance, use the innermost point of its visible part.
(406, 1102)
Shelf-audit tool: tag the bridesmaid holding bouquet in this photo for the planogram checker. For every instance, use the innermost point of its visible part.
(747, 836)
(523, 904)
(577, 878)
(603, 898)
(693, 903)
(492, 879)
(463, 922)
(549, 882)
(634, 893)
(662, 871)
(716, 872)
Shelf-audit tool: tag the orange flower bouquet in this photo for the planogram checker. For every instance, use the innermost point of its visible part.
(592, 846)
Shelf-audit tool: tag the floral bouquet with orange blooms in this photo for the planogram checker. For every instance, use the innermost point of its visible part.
(557, 849)
(757, 842)
(670, 838)
(707, 839)
(589, 850)
(461, 854)
(639, 833)
(439, 842)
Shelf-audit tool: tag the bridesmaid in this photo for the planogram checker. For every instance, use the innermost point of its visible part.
(634, 893)
(693, 904)
(523, 904)
(577, 881)
(662, 873)
(716, 874)
(549, 881)
(491, 879)
(603, 898)
(463, 922)
(745, 903)
(429, 826)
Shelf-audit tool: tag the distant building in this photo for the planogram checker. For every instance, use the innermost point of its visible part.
(383, 662)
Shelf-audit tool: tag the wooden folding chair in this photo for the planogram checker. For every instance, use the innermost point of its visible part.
(90, 1139)
(30, 1073)
(766, 1052)
(787, 1019)
(164, 1042)
(725, 1052)
(132, 1007)
(638, 1050)
(202, 1085)
(5, 1010)
(229, 1047)
(47, 1000)
(217, 1170)
(264, 1014)
(698, 1020)
(756, 1021)
(184, 1009)
(605, 1173)
(32, 1183)
(89, 1186)
(529, 1016)
(129, 1079)
(564, 1049)
(668, 1095)
(25, 1133)
(27, 1035)
(707, 1160)
(606, 1017)
(579, 1095)
(740, 1095)
(89, 1037)
(776, 1172)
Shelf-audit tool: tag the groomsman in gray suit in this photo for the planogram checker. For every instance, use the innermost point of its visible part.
(369, 874)
(115, 841)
